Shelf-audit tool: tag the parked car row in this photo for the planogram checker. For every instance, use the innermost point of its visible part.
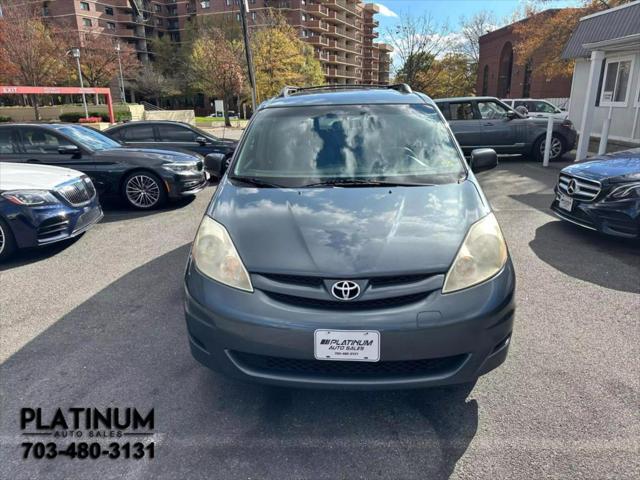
(51, 175)
(486, 122)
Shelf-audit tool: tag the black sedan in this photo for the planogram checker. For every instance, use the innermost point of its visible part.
(602, 193)
(176, 136)
(144, 178)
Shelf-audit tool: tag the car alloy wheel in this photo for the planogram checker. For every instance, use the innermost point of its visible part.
(143, 191)
(2, 240)
(555, 150)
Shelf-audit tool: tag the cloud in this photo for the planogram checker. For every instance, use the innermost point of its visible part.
(386, 11)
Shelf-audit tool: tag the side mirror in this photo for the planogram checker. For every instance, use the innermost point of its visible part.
(68, 150)
(216, 163)
(483, 159)
(511, 115)
(201, 140)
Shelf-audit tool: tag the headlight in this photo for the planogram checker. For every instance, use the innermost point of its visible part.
(187, 167)
(483, 254)
(30, 198)
(216, 257)
(626, 190)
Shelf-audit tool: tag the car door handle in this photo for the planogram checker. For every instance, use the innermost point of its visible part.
(488, 124)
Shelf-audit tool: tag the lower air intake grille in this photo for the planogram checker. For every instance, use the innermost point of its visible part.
(327, 368)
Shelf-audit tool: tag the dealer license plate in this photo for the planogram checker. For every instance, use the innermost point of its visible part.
(565, 202)
(347, 345)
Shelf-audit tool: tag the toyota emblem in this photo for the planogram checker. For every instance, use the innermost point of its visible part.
(572, 187)
(345, 290)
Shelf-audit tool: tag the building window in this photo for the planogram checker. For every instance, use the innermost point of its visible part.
(108, 10)
(157, 8)
(617, 79)
(228, 2)
(485, 80)
(253, 16)
(526, 82)
(84, 6)
(86, 22)
(205, 4)
(111, 26)
(505, 71)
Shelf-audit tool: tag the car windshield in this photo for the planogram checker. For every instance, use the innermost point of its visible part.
(297, 147)
(88, 137)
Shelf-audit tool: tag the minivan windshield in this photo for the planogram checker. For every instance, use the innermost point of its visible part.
(88, 137)
(343, 144)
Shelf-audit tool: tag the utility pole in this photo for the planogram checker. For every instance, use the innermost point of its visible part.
(122, 94)
(75, 53)
(244, 8)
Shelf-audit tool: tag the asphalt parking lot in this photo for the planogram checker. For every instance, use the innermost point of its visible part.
(99, 322)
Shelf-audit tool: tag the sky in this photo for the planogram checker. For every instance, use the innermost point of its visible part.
(451, 10)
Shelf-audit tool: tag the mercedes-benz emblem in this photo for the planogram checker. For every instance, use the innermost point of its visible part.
(345, 290)
(572, 187)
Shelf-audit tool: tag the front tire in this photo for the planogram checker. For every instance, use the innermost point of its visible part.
(7, 242)
(557, 148)
(144, 191)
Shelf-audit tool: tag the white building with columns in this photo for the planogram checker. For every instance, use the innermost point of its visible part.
(605, 91)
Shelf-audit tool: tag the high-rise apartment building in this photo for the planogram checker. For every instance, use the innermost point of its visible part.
(342, 32)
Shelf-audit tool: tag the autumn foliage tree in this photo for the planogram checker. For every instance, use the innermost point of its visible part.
(99, 60)
(31, 52)
(280, 58)
(545, 34)
(215, 68)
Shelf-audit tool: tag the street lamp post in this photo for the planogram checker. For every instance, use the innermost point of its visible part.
(244, 8)
(122, 93)
(75, 53)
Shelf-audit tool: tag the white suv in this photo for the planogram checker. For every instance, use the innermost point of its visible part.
(537, 108)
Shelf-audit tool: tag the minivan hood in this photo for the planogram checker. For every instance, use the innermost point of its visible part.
(25, 176)
(337, 232)
(149, 153)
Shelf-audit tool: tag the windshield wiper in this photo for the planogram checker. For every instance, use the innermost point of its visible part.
(350, 182)
(257, 182)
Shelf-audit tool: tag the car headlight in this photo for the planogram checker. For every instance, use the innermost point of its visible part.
(482, 255)
(30, 198)
(216, 257)
(626, 190)
(186, 167)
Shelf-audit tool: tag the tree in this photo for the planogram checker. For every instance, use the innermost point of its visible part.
(546, 33)
(153, 84)
(471, 29)
(453, 76)
(216, 69)
(280, 58)
(417, 41)
(31, 52)
(99, 60)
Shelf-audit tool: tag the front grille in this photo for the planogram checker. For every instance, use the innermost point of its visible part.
(305, 302)
(294, 279)
(79, 192)
(585, 190)
(52, 228)
(199, 166)
(328, 368)
(310, 281)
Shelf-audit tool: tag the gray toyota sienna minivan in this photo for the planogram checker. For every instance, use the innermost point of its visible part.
(349, 245)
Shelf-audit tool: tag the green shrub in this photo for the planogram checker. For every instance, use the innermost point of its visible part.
(123, 116)
(4, 119)
(74, 117)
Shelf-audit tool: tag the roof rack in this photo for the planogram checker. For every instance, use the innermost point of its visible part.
(290, 90)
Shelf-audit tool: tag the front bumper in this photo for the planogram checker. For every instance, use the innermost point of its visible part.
(185, 185)
(619, 218)
(441, 339)
(37, 226)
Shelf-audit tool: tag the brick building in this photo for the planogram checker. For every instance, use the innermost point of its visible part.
(502, 74)
(342, 32)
